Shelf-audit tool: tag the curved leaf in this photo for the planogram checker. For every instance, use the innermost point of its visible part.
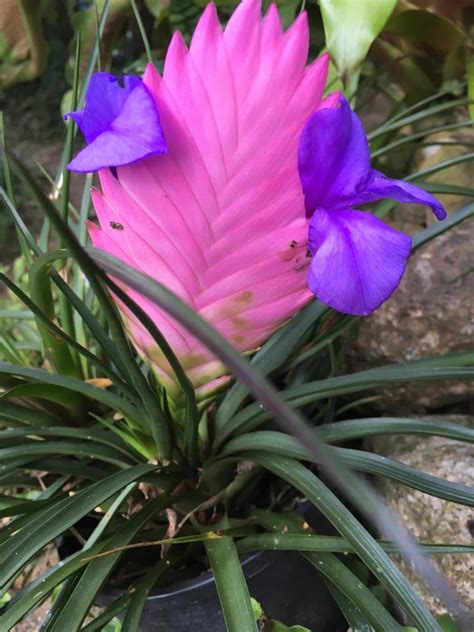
(278, 443)
(349, 527)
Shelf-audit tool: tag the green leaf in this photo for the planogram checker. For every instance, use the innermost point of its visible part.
(99, 394)
(56, 349)
(333, 570)
(256, 609)
(441, 227)
(254, 415)
(350, 528)
(398, 123)
(49, 523)
(10, 410)
(284, 445)
(311, 543)
(74, 611)
(67, 569)
(276, 626)
(231, 585)
(470, 80)
(56, 394)
(447, 624)
(89, 434)
(97, 624)
(40, 588)
(372, 426)
(141, 591)
(350, 29)
(86, 449)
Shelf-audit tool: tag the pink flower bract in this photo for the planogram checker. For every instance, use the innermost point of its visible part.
(220, 219)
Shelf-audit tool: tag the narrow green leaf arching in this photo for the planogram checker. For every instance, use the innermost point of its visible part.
(350, 528)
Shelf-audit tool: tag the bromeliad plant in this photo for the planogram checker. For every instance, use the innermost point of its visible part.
(229, 199)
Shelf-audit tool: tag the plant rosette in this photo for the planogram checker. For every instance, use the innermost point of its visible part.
(138, 420)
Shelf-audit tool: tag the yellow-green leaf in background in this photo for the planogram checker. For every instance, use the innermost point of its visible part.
(470, 79)
(424, 27)
(350, 27)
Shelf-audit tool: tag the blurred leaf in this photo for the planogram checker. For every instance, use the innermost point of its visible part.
(276, 626)
(56, 394)
(25, 415)
(470, 79)
(22, 45)
(256, 609)
(425, 27)
(5, 599)
(85, 25)
(113, 626)
(288, 10)
(350, 29)
(447, 624)
(407, 71)
(158, 8)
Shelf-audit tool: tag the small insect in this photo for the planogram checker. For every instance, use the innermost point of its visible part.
(293, 244)
(116, 226)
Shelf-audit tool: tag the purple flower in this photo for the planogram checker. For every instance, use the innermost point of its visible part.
(120, 123)
(358, 261)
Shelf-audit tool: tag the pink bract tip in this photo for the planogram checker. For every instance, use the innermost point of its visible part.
(220, 219)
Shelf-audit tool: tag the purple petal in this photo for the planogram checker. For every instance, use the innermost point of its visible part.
(358, 260)
(333, 157)
(120, 124)
(380, 187)
(104, 101)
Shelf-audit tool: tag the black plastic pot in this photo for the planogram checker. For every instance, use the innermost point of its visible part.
(287, 586)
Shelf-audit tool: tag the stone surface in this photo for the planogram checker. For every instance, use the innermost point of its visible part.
(431, 519)
(432, 313)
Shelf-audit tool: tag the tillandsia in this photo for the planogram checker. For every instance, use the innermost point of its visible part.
(246, 210)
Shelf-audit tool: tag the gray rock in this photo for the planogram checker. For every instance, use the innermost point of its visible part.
(432, 313)
(431, 519)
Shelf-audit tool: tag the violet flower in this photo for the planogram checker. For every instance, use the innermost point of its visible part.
(358, 261)
(120, 123)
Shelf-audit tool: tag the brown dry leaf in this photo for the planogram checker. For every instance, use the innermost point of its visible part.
(100, 382)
